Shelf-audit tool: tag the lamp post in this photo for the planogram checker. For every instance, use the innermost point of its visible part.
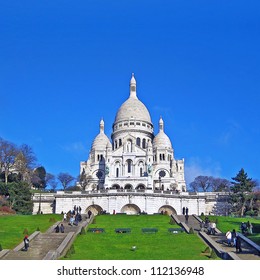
(40, 201)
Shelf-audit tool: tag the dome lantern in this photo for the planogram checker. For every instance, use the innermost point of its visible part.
(133, 87)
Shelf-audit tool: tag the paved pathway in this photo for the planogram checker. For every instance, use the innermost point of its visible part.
(43, 243)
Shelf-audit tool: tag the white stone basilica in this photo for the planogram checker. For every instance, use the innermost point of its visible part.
(134, 172)
(134, 158)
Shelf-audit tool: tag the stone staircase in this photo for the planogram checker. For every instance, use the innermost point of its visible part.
(250, 251)
(192, 222)
(48, 245)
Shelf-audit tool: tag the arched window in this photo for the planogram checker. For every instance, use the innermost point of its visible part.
(116, 144)
(141, 172)
(144, 144)
(138, 141)
(129, 166)
(117, 172)
(120, 142)
(129, 145)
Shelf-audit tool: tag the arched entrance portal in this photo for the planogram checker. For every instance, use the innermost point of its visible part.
(167, 210)
(95, 209)
(131, 209)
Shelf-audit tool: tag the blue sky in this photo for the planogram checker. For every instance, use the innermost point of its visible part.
(64, 65)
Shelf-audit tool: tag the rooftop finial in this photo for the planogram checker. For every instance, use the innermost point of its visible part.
(161, 124)
(133, 87)
(102, 125)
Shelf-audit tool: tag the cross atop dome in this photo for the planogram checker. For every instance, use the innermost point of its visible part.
(133, 87)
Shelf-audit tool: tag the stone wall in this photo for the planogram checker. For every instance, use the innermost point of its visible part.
(127, 202)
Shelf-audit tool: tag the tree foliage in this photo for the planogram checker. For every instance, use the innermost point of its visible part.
(39, 178)
(209, 183)
(242, 195)
(19, 196)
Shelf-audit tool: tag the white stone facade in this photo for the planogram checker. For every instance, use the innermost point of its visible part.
(129, 202)
(135, 158)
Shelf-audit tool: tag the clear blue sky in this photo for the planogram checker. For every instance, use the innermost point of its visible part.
(64, 65)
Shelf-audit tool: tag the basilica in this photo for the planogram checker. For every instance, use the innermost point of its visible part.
(135, 157)
(133, 172)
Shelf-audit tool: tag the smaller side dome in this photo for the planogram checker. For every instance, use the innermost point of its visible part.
(101, 142)
(161, 140)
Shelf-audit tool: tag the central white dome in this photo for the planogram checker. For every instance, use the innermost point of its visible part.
(133, 108)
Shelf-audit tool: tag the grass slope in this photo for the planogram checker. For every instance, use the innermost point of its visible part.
(12, 227)
(150, 246)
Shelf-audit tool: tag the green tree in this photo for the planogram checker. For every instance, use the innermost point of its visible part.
(20, 197)
(241, 192)
(39, 178)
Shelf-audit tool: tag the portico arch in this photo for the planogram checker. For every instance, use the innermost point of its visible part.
(167, 210)
(130, 209)
(115, 187)
(95, 209)
(140, 187)
(128, 187)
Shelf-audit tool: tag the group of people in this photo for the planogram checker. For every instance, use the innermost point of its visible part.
(59, 228)
(246, 228)
(210, 227)
(233, 239)
(73, 216)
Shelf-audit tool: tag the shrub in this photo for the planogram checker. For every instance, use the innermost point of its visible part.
(250, 213)
(207, 250)
(70, 252)
(52, 220)
(172, 222)
(38, 229)
(25, 231)
(7, 209)
(213, 254)
(82, 231)
(191, 231)
(1, 247)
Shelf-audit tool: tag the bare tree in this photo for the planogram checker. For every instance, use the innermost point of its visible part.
(201, 183)
(8, 154)
(66, 179)
(25, 162)
(51, 181)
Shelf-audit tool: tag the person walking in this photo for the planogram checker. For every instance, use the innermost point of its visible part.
(57, 229)
(229, 238)
(62, 228)
(238, 244)
(249, 227)
(233, 237)
(26, 243)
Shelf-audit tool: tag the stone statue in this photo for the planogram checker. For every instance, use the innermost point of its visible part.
(107, 170)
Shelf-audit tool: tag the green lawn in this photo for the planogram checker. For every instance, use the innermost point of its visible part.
(13, 226)
(149, 246)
